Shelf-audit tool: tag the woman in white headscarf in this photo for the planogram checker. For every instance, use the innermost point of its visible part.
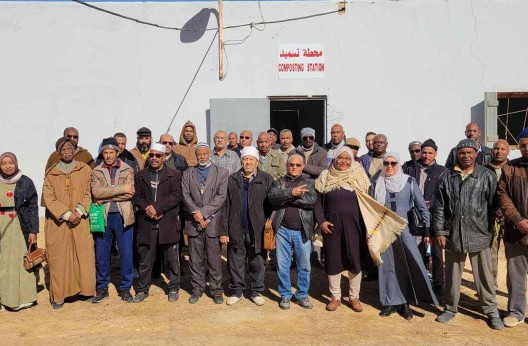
(402, 275)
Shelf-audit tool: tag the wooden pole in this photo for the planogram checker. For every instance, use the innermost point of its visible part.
(220, 40)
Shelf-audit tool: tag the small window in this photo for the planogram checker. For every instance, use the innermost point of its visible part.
(512, 115)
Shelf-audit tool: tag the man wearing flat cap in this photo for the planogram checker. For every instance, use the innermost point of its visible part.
(204, 190)
(244, 215)
(427, 173)
(141, 150)
(462, 214)
(157, 199)
(274, 135)
(112, 185)
(354, 144)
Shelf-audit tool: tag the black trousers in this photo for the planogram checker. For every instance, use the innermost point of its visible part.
(236, 259)
(205, 254)
(147, 256)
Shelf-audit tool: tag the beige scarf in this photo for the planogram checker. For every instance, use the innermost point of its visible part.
(382, 224)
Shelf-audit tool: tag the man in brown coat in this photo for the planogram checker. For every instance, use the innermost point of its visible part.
(513, 199)
(157, 197)
(112, 185)
(79, 154)
(187, 143)
(69, 243)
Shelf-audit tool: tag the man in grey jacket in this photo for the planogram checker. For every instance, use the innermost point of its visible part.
(462, 215)
(204, 189)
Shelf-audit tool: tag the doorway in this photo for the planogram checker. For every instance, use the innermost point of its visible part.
(295, 113)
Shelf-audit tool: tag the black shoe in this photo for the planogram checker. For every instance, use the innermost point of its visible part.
(126, 296)
(140, 296)
(388, 310)
(173, 296)
(405, 312)
(218, 299)
(57, 305)
(101, 295)
(193, 299)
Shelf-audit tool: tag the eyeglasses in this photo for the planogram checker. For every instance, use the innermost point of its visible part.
(165, 143)
(73, 136)
(245, 137)
(415, 151)
(295, 164)
(310, 138)
(151, 155)
(390, 163)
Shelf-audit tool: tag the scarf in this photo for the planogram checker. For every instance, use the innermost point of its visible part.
(391, 184)
(382, 224)
(204, 171)
(13, 178)
(64, 167)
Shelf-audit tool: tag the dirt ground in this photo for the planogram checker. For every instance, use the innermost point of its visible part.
(156, 321)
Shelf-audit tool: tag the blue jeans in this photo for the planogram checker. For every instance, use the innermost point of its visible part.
(103, 245)
(288, 240)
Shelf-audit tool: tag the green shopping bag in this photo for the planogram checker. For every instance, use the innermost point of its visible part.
(97, 221)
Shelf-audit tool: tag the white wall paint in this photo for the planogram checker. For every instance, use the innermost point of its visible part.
(410, 69)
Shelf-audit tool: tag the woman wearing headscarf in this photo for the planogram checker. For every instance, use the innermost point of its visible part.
(402, 275)
(18, 230)
(344, 234)
(70, 246)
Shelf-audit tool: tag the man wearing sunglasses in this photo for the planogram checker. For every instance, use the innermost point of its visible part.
(415, 151)
(172, 159)
(294, 196)
(246, 139)
(157, 198)
(315, 156)
(79, 154)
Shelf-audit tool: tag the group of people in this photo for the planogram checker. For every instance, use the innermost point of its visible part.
(376, 215)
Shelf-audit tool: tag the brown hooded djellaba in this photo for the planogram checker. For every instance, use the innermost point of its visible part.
(187, 148)
(70, 250)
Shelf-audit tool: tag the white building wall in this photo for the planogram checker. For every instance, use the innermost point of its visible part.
(409, 69)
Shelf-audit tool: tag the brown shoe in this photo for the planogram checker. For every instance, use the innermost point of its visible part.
(333, 304)
(356, 304)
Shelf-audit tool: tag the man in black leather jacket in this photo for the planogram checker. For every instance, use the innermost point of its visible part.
(294, 197)
(462, 216)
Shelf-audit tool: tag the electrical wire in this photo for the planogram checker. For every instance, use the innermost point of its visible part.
(139, 21)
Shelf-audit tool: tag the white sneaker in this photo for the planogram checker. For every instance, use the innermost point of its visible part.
(511, 321)
(258, 300)
(233, 300)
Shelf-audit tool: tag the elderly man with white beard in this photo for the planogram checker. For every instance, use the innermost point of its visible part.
(204, 190)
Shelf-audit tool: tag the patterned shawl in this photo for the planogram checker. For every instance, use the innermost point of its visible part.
(382, 224)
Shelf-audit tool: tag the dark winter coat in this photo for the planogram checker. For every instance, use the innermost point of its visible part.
(317, 161)
(169, 196)
(26, 206)
(433, 178)
(259, 208)
(484, 157)
(463, 210)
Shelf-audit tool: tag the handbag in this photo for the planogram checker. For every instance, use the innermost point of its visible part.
(269, 233)
(414, 217)
(34, 258)
(97, 221)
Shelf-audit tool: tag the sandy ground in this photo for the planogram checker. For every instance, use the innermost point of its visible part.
(156, 321)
